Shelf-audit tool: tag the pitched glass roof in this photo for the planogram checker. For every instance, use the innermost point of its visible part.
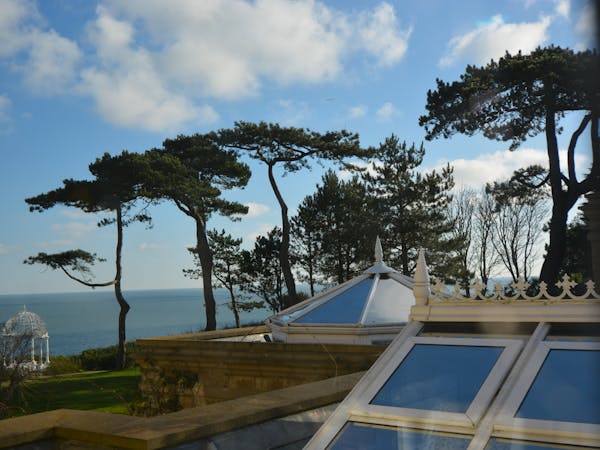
(379, 296)
(474, 389)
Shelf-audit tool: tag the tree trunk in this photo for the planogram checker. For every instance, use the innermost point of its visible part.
(284, 252)
(234, 307)
(123, 305)
(556, 247)
(206, 264)
(560, 207)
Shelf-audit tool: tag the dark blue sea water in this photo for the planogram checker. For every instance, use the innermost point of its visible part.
(78, 321)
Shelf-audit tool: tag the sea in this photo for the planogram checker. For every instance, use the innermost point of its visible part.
(78, 321)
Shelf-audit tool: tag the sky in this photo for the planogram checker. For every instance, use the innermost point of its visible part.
(80, 77)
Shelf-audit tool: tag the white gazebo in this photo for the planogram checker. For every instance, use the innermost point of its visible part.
(368, 309)
(23, 329)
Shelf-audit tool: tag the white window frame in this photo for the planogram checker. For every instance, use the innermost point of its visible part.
(443, 420)
(355, 407)
(570, 446)
(548, 431)
(408, 429)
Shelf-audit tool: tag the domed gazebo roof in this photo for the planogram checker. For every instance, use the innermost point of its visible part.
(25, 323)
(369, 308)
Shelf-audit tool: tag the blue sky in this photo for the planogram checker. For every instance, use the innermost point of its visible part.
(81, 77)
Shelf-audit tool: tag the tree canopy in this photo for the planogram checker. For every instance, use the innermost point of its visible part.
(115, 188)
(521, 96)
(293, 149)
(192, 171)
(410, 204)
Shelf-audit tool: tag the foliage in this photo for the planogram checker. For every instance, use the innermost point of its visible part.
(462, 214)
(306, 242)
(519, 211)
(577, 260)
(227, 258)
(15, 356)
(105, 358)
(293, 149)
(61, 364)
(71, 261)
(335, 230)
(116, 188)
(262, 269)
(485, 256)
(411, 206)
(192, 171)
(521, 96)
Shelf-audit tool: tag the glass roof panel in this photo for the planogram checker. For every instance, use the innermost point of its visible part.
(388, 304)
(438, 377)
(509, 444)
(346, 307)
(568, 378)
(358, 436)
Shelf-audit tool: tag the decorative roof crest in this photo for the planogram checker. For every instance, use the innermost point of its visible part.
(378, 252)
(421, 289)
(479, 292)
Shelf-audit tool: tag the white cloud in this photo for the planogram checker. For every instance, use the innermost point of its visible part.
(257, 209)
(47, 61)
(223, 49)
(489, 167)
(368, 167)
(386, 111)
(149, 246)
(74, 229)
(586, 26)
(13, 37)
(357, 112)
(260, 230)
(6, 249)
(127, 88)
(51, 66)
(381, 36)
(563, 8)
(73, 214)
(157, 68)
(492, 40)
(5, 118)
(292, 113)
(57, 243)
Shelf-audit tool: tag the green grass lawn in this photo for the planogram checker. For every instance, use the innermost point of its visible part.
(109, 391)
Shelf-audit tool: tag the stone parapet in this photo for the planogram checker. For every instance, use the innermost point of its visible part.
(190, 370)
(89, 429)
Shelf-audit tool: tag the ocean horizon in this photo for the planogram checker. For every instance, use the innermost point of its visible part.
(77, 321)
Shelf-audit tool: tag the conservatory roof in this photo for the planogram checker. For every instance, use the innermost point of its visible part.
(25, 323)
(379, 296)
(496, 372)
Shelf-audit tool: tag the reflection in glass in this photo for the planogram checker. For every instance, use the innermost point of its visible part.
(566, 388)
(343, 308)
(357, 436)
(438, 377)
(389, 303)
(506, 444)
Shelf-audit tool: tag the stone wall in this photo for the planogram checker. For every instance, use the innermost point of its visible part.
(196, 369)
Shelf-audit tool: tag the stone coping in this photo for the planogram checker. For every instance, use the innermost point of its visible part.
(176, 428)
(210, 335)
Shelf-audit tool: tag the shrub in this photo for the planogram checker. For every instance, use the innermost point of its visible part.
(63, 364)
(105, 358)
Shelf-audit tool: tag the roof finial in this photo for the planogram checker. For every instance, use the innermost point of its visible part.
(378, 251)
(421, 289)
